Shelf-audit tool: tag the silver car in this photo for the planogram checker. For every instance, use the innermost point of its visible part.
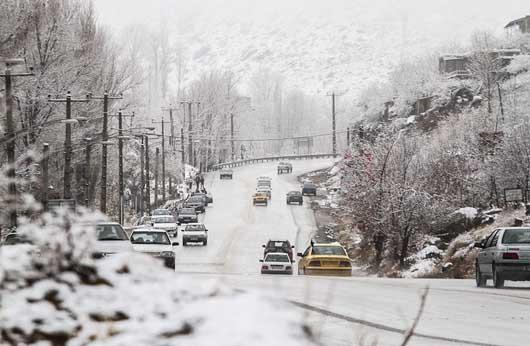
(504, 255)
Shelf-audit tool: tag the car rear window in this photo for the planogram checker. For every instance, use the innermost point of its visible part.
(516, 236)
(194, 228)
(281, 258)
(187, 211)
(328, 250)
(163, 219)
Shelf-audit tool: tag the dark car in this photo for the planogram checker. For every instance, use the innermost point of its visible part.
(309, 189)
(295, 197)
(285, 167)
(15, 238)
(226, 174)
(278, 246)
(207, 197)
(197, 202)
(187, 215)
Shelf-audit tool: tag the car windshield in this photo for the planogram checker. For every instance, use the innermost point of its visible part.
(328, 250)
(110, 232)
(150, 238)
(13, 239)
(516, 236)
(163, 219)
(187, 211)
(276, 257)
(295, 193)
(309, 185)
(161, 212)
(195, 228)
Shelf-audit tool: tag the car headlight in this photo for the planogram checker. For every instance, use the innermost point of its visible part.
(167, 254)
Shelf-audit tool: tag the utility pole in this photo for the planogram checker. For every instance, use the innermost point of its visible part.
(121, 186)
(68, 171)
(190, 138)
(163, 161)
(156, 176)
(11, 137)
(172, 126)
(142, 178)
(45, 175)
(147, 177)
(232, 135)
(104, 143)
(88, 148)
(183, 156)
(334, 139)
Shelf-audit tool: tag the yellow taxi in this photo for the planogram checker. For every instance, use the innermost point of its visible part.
(260, 198)
(324, 259)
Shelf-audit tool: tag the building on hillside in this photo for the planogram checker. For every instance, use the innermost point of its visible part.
(454, 65)
(521, 24)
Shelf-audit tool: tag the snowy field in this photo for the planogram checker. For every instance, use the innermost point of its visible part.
(343, 311)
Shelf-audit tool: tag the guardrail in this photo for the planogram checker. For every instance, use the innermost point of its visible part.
(271, 158)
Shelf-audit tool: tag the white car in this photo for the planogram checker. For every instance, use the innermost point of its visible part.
(154, 242)
(276, 263)
(111, 239)
(166, 222)
(194, 233)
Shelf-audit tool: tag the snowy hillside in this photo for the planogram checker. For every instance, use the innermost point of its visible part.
(319, 46)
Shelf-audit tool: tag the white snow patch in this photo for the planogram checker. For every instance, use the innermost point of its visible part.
(468, 212)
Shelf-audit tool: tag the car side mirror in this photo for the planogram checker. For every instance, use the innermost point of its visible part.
(205, 230)
(263, 246)
(175, 244)
(300, 254)
(292, 246)
(261, 261)
(479, 244)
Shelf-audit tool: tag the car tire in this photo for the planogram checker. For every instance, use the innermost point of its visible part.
(204, 243)
(498, 280)
(301, 203)
(184, 243)
(479, 278)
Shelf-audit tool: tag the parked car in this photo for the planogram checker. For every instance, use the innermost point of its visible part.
(278, 246)
(161, 211)
(208, 197)
(187, 215)
(295, 197)
(324, 259)
(260, 199)
(111, 239)
(14, 238)
(226, 174)
(166, 222)
(196, 202)
(276, 263)
(504, 255)
(309, 189)
(194, 233)
(155, 242)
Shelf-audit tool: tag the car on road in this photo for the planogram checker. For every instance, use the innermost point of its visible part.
(161, 211)
(278, 246)
(504, 255)
(156, 243)
(187, 215)
(166, 222)
(260, 198)
(226, 174)
(309, 189)
(295, 197)
(111, 239)
(197, 202)
(324, 259)
(276, 263)
(264, 189)
(284, 167)
(194, 233)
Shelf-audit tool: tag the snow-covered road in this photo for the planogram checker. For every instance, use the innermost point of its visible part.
(343, 311)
